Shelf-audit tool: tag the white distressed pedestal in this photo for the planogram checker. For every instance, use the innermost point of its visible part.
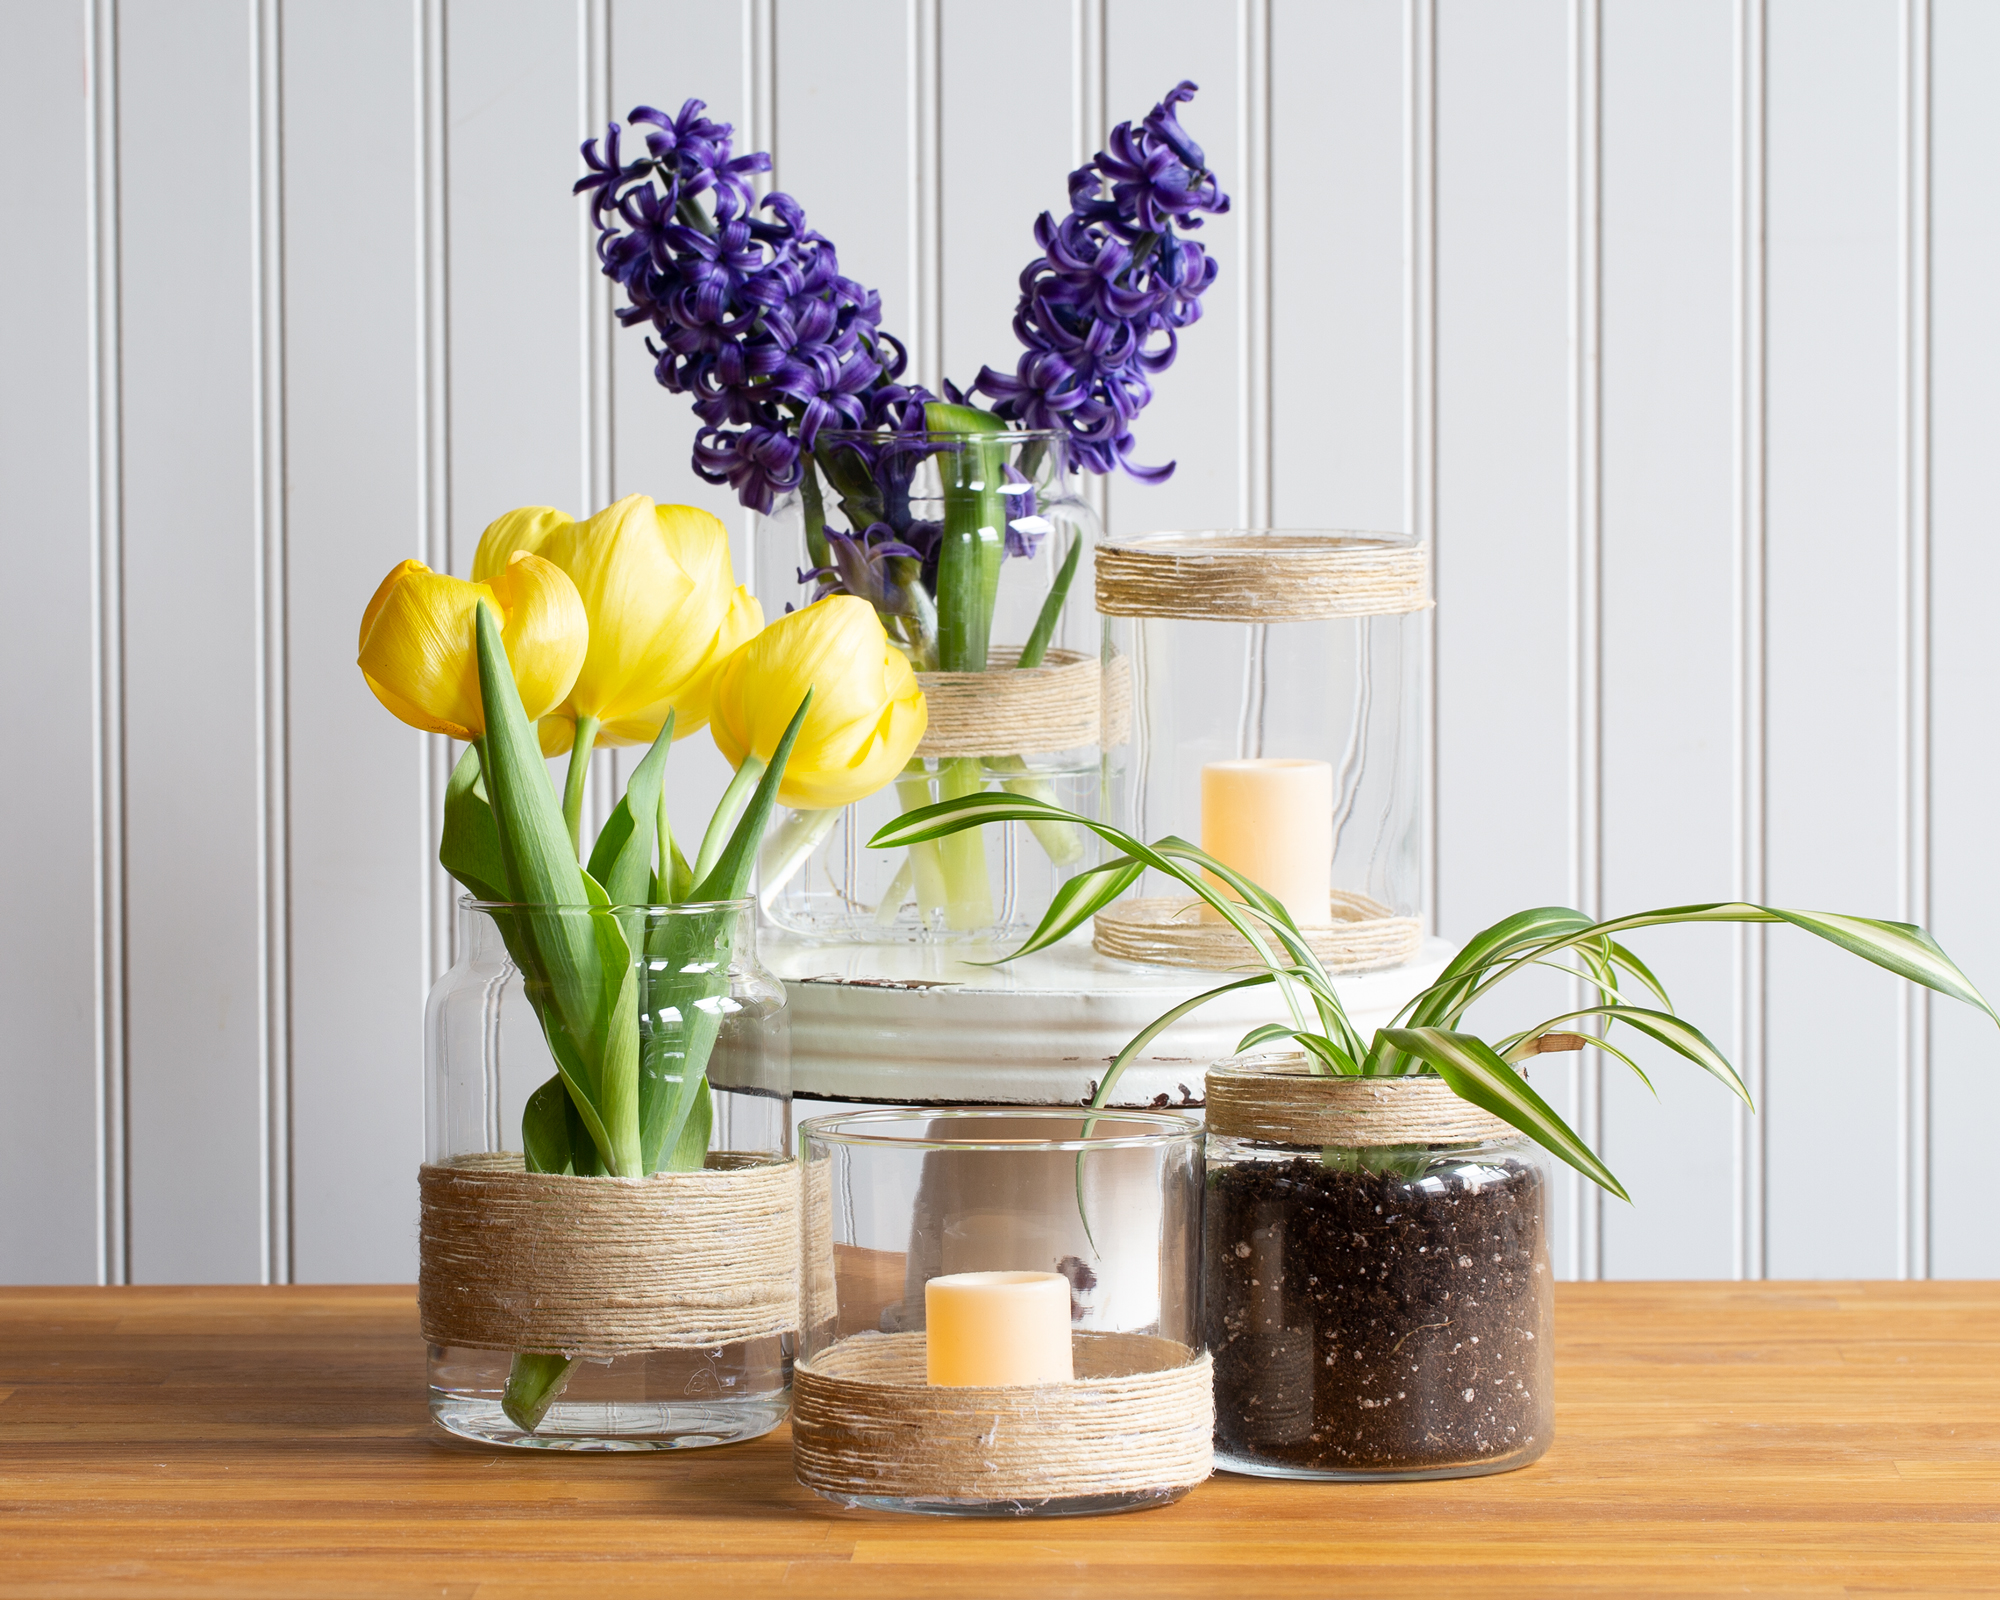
(922, 1025)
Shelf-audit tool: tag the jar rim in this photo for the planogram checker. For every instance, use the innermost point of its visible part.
(745, 903)
(1254, 539)
(880, 436)
(1166, 1128)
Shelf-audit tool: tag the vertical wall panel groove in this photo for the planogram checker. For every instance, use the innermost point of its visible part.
(926, 323)
(1586, 575)
(1913, 1247)
(1420, 344)
(1749, 1248)
(107, 515)
(1253, 203)
(433, 344)
(1087, 133)
(273, 757)
(595, 327)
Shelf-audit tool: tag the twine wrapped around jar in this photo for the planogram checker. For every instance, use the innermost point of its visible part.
(1279, 1099)
(1169, 931)
(1259, 576)
(516, 1260)
(1010, 710)
(1138, 1416)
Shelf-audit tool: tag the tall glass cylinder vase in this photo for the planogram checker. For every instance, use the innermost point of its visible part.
(570, 1305)
(1005, 647)
(1249, 650)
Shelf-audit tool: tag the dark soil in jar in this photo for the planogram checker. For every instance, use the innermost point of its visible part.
(1368, 1321)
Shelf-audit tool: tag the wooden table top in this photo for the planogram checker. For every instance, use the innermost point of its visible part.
(1767, 1438)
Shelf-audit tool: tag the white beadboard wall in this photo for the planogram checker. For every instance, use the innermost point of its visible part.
(1670, 322)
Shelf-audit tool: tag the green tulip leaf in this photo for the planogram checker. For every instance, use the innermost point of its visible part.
(622, 858)
(469, 847)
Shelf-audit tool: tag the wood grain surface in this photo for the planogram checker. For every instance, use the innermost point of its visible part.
(1796, 1439)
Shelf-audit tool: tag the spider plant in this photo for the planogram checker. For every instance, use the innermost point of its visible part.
(1427, 1035)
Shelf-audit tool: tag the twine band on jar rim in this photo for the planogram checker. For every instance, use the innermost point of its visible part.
(1170, 931)
(1010, 710)
(1258, 576)
(515, 1260)
(1139, 1416)
(1280, 1100)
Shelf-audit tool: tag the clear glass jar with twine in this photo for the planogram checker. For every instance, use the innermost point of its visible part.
(1013, 689)
(1103, 1209)
(1375, 1283)
(569, 1309)
(1293, 647)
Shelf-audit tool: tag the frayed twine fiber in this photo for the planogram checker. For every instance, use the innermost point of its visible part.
(1010, 710)
(1170, 931)
(1138, 1416)
(1260, 577)
(1279, 1099)
(514, 1260)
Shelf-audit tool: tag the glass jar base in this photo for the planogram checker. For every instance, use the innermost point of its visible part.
(1084, 1505)
(618, 1426)
(1256, 1467)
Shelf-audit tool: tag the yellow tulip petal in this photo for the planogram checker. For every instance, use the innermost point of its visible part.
(530, 528)
(544, 629)
(417, 649)
(867, 713)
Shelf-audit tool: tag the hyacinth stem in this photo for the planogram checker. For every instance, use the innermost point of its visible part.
(968, 892)
(899, 887)
(913, 789)
(1061, 842)
(534, 1380)
(788, 847)
(579, 769)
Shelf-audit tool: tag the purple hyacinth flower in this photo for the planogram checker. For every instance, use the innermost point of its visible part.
(1102, 306)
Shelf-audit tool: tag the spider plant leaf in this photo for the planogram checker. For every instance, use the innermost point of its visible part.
(1899, 947)
(1322, 1050)
(1518, 1047)
(1075, 902)
(1632, 964)
(1475, 1073)
(1159, 1025)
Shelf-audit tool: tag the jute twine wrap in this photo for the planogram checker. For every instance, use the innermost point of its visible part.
(1260, 577)
(1171, 931)
(1010, 710)
(514, 1260)
(1139, 1415)
(1279, 1100)
(821, 1294)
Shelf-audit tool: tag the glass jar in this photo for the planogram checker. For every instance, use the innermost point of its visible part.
(1376, 1310)
(1265, 646)
(1109, 1202)
(700, 998)
(1015, 703)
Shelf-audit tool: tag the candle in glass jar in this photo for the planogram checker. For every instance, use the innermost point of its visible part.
(997, 1328)
(1272, 820)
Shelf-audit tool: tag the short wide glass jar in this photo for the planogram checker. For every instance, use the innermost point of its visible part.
(1376, 1282)
(568, 1308)
(1104, 1210)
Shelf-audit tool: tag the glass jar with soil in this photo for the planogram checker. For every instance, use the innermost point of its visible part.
(1376, 1282)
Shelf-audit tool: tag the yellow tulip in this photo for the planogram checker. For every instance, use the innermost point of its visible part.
(664, 607)
(417, 650)
(867, 712)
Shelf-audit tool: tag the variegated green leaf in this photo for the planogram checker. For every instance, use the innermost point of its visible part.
(1475, 1073)
(1160, 1024)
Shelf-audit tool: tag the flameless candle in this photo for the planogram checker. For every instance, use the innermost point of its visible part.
(1272, 820)
(997, 1328)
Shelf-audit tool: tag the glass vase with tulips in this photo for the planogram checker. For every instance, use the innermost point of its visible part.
(623, 628)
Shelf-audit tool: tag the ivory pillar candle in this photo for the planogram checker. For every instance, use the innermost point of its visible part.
(1272, 820)
(997, 1328)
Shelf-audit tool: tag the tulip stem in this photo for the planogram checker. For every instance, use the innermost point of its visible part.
(579, 767)
(727, 813)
